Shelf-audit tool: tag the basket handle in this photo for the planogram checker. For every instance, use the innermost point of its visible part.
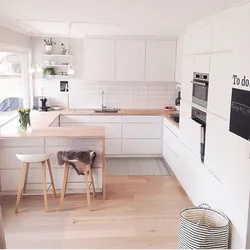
(204, 205)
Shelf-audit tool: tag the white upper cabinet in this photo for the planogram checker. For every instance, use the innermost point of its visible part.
(179, 57)
(130, 60)
(199, 41)
(202, 63)
(220, 84)
(223, 34)
(99, 59)
(187, 77)
(160, 60)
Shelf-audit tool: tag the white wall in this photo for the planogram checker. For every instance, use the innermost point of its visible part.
(85, 94)
(13, 40)
(220, 46)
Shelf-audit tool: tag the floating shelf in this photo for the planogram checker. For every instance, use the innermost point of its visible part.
(57, 65)
(10, 74)
(44, 54)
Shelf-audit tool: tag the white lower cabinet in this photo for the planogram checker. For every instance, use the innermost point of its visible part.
(125, 135)
(142, 130)
(113, 146)
(170, 156)
(112, 130)
(141, 147)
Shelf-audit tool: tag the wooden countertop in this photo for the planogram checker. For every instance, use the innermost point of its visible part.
(41, 122)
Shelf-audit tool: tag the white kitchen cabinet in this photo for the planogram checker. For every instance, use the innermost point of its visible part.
(223, 36)
(113, 146)
(112, 130)
(170, 157)
(142, 119)
(74, 119)
(130, 60)
(179, 57)
(160, 60)
(199, 41)
(99, 59)
(220, 84)
(141, 147)
(187, 77)
(202, 64)
(106, 118)
(185, 122)
(142, 130)
(171, 139)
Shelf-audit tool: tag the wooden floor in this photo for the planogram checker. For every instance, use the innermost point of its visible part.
(140, 212)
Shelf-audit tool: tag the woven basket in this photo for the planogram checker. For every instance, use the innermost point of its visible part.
(203, 228)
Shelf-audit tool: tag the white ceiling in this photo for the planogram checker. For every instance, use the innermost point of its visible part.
(107, 17)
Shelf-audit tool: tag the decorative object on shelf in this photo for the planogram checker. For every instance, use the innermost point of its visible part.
(49, 45)
(49, 72)
(70, 70)
(23, 120)
(67, 50)
(62, 49)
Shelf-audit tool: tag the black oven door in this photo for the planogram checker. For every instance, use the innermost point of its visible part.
(200, 93)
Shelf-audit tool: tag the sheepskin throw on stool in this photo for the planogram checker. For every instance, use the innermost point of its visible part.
(85, 157)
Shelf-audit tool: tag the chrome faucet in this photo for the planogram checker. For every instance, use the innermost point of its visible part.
(103, 106)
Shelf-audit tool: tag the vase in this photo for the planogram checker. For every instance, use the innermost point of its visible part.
(48, 48)
(24, 122)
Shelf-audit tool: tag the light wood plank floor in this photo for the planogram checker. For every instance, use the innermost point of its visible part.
(140, 212)
(137, 166)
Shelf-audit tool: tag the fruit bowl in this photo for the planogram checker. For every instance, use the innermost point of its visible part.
(169, 108)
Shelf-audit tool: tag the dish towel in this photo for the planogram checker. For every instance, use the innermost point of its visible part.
(85, 157)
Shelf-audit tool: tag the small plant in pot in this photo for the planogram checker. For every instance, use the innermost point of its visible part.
(49, 72)
(49, 44)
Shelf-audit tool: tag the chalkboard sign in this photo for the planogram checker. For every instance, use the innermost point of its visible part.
(240, 113)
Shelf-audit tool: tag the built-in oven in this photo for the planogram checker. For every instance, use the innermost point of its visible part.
(200, 89)
(201, 117)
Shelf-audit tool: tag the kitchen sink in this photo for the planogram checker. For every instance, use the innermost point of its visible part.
(106, 110)
(175, 118)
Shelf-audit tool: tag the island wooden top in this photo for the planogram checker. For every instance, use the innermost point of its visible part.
(41, 122)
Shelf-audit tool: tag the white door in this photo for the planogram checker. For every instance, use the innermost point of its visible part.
(160, 60)
(99, 59)
(130, 60)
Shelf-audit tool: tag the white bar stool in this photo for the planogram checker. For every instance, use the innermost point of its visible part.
(87, 170)
(26, 159)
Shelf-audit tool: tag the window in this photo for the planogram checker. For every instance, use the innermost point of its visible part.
(11, 81)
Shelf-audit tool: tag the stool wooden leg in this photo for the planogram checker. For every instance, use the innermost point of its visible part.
(87, 187)
(65, 180)
(92, 180)
(21, 185)
(43, 167)
(51, 178)
(26, 178)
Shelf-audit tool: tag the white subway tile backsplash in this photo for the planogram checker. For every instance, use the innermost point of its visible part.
(85, 95)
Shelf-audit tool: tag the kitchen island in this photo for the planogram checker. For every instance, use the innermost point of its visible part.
(44, 138)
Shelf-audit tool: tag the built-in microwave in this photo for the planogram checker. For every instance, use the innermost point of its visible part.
(200, 89)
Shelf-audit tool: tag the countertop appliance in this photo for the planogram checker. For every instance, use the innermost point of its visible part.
(43, 105)
(200, 89)
(201, 117)
(240, 113)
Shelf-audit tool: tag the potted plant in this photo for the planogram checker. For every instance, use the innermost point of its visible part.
(49, 44)
(23, 119)
(49, 71)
